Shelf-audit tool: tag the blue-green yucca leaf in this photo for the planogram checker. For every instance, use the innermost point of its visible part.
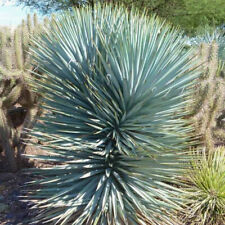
(115, 88)
(91, 185)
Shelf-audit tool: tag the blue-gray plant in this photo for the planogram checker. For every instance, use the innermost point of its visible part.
(116, 86)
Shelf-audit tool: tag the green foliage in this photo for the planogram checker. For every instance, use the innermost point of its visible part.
(206, 189)
(190, 15)
(116, 85)
(46, 6)
(197, 13)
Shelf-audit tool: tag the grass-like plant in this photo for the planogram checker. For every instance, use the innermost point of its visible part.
(116, 85)
(206, 192)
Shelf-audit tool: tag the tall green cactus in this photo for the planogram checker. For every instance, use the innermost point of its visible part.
(2, 43)
(29, 23)
(9, 95)
(8, 59)
(15, 89)
(6, 56)
(18, 49)
(210, 96)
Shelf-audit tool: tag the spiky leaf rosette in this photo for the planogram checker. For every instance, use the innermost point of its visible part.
(206, 189)
(116, 84)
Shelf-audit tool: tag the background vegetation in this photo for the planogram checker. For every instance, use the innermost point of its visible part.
(190, 15)
(19, 105)
(105, 162)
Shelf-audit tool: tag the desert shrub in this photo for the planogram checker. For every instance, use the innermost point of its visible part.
(206, 189)
(116, 87)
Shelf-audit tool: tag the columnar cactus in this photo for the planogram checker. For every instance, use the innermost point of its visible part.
(9, 95)
(18, 49)
(15, 90)
(210, 97)
(29, 23)
(6, 54)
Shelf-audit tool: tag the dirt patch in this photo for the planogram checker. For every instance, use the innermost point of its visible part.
(13, 211)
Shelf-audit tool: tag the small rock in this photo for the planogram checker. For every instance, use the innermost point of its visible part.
(3, 207)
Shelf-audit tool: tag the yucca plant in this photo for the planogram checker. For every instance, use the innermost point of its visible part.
(206, 191)
(116, 85)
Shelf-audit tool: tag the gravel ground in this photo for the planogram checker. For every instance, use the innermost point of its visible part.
(12, 210)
